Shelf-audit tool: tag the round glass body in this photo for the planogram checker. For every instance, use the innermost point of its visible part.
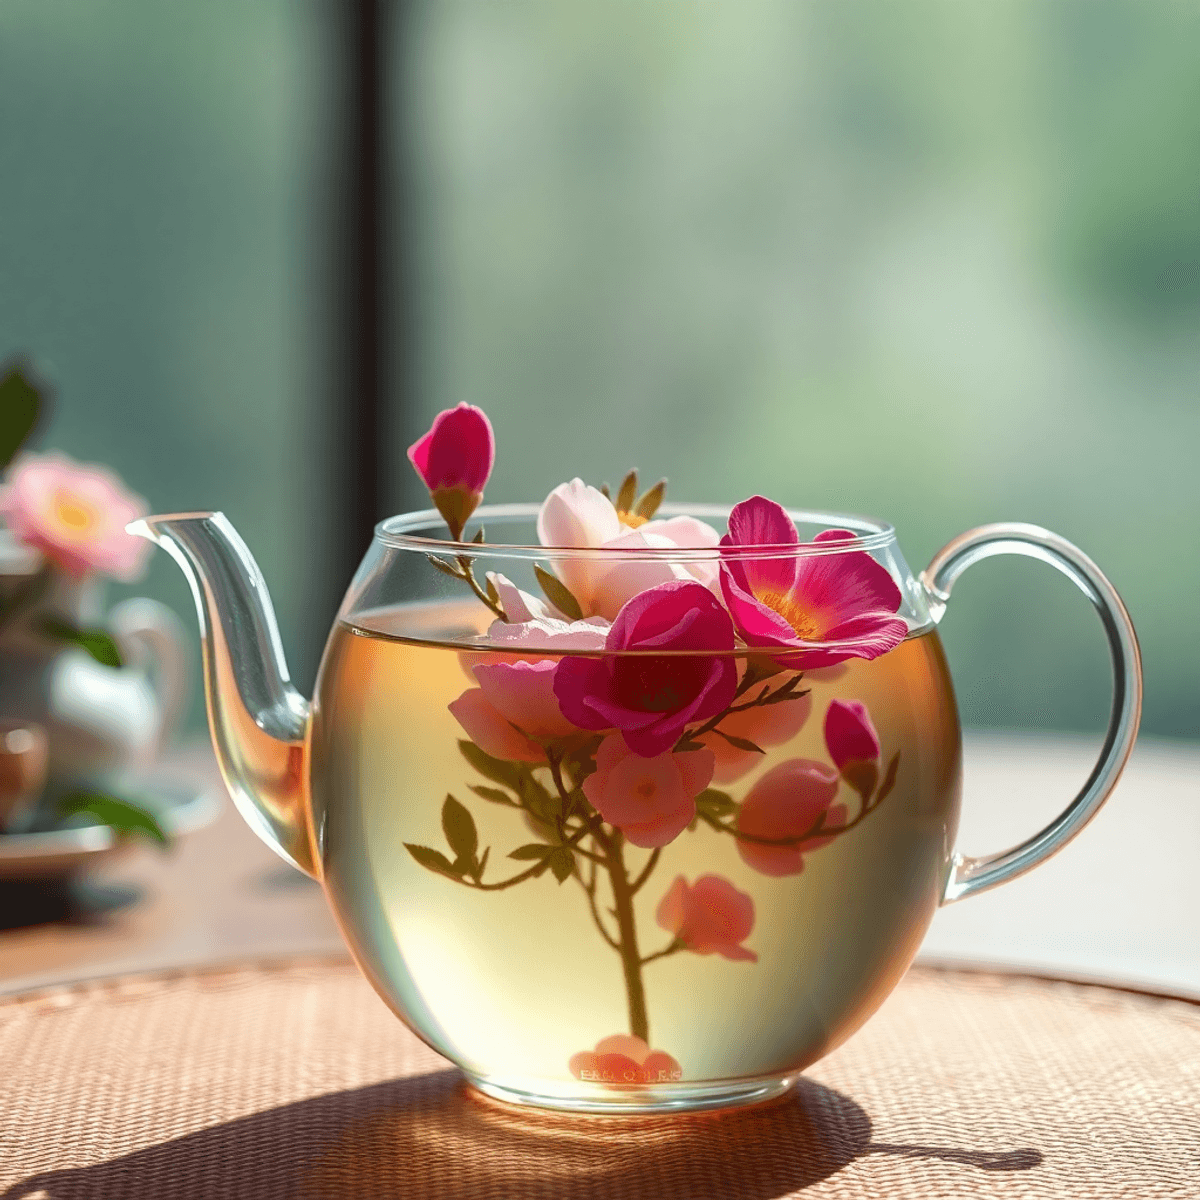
(576, 924)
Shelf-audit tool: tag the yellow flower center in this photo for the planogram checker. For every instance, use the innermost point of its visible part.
(76, 515)
(799, 618)
(631, 520)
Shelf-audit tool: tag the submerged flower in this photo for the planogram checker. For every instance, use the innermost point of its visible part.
(819, 608)
(649, 696)
(709, 917)
(75, 515)
(454, 460)
(576, 515)
(651, 800)
(853, 744)
(788, 802)
(849, 734)
(512, 710)
(624, 1059)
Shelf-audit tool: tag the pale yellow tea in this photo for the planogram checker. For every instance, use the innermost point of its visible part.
(514, 926)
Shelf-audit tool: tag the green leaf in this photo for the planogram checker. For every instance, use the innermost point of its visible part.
(490, 588)
(495, 795)
(443, 566)
(685, 747)
(628, 491)
(889, 780)
(562, 863)
(478, 538)
(459, 828)
(495, 769)
(481, 865)
(20, 406)
(433, 860)
(740, 743)
(123, 816)
(605, 492)
(533, 850)
(647, 506)
(558, 594)
(95, 641)
(716, 803)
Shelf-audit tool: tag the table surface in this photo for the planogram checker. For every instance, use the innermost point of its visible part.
(1121, 904)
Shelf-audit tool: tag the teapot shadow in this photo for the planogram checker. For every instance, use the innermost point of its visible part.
(431, 1136)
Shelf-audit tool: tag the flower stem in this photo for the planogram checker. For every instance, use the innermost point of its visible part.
(631, 962)
(468, 576)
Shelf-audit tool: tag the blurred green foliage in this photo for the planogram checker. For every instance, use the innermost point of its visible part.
(932, 260)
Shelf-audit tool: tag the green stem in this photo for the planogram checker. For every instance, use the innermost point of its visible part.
(631, 962)
(468, 575)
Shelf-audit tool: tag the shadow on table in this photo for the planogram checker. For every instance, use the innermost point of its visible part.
(431, 1137)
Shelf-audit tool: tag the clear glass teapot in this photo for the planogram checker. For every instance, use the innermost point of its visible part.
(626, 862)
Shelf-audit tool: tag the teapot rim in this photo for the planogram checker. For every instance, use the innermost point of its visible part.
(870, 534)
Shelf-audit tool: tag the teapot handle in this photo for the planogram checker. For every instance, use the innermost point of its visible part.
(967, 875)
(154, 637)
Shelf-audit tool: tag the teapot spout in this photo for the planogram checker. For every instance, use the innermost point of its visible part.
(259, 722)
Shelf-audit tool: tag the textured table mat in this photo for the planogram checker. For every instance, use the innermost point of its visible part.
(295, 1081)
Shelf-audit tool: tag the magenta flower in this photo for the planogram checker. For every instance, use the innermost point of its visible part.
(651, 800)
(624, 1060)
(853, 745)
(512, 710)
(454, 459)
(849, 734)
(650, 697)
(821, 608)
(709, 917)
(75, 515)
(787, 802)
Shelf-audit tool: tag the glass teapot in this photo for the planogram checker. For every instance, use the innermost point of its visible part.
(595, 864)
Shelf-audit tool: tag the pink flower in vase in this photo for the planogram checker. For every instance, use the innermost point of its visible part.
(454, 460)
(853, 744)
(680, 669)
(512, 709)
(816, 609)
(788, 801)
(710, 917)
(575, 515)
(75, 515)
(623, 1060)
(651, 800)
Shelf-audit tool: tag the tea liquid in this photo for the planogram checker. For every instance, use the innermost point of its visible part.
(512, 983)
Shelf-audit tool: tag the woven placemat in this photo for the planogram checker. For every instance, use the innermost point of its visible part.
(294, 1081)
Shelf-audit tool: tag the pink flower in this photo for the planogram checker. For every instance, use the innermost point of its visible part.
(651, 800)
(582, 517)
(579, 516)
(513, 705)
(849, 734)
(454, 459)
(624, 1059)
(787, 802)
(652, 697)
(824, 607)
(75, 515)
(771, 725)
(709, 917)
(853, 745)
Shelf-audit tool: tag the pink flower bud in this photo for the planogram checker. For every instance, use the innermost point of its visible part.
(454, 459)
(849, 734)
